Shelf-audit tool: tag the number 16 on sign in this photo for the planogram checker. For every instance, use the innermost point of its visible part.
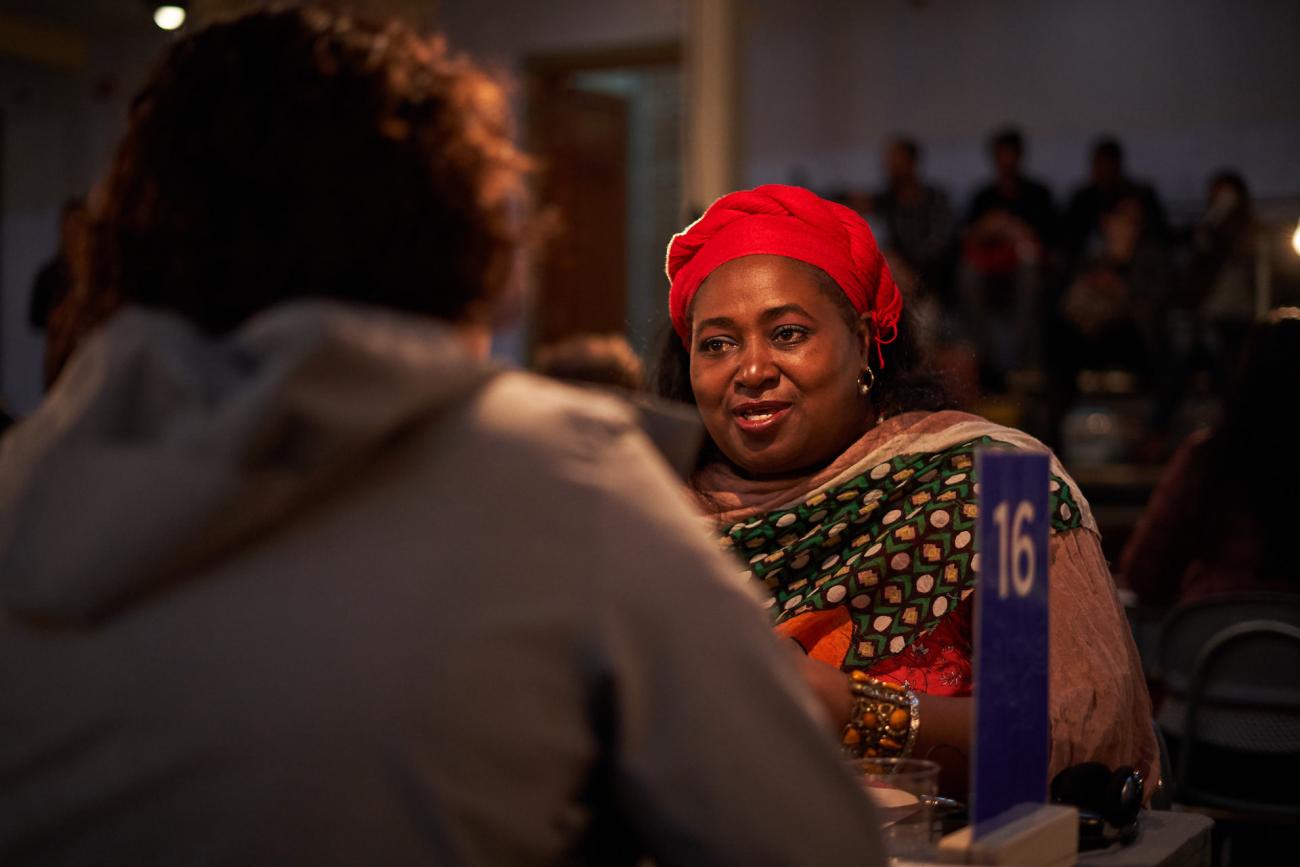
(1011, 728)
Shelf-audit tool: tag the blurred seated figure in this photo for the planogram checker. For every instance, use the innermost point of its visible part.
(1083, 229)
(1214, 523)
(54, 280)
(594, 359)
(49, 309)
(1010, 229)
(289, 574)
(939, 336)
(1204, 324)
(1113, 304)
(916, 217)
(1222, 275)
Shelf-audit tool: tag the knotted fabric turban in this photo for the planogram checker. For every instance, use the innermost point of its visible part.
(792, 222)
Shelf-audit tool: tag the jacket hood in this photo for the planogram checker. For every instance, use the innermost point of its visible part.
(161, 446)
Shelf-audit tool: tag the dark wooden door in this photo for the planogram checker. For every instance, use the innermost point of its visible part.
(581, 140)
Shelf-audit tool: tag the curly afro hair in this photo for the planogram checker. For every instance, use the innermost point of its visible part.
(303, 152)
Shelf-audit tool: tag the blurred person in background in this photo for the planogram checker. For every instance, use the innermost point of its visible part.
(1213, 524)
(51, 309)
(1111, 320)
(1008, 237)
(1083, 226)
(916, 217)
(1222, 269)
(938, 335)
(290, 574)
(607, 361)
(847, 492)
(1113, 305)
(592, 359)
(1212, 307)
(54, 280)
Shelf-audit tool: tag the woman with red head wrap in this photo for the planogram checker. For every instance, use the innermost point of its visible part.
(849, 492)
(790, 222)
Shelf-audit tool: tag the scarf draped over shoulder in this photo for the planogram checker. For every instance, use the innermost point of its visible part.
(883, 538)
(865, 562)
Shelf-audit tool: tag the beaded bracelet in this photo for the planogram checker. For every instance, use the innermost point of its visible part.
(884, 720)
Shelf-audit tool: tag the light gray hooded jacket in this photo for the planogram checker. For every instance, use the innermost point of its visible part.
(328, 591)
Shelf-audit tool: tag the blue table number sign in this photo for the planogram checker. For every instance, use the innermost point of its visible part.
(1010, 727)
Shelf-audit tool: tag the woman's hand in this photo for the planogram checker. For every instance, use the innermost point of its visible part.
(944, 735)
(829, 684)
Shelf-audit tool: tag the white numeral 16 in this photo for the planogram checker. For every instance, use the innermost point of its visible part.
(1020, 563)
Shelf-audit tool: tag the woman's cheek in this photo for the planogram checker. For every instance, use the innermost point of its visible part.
(708, 387)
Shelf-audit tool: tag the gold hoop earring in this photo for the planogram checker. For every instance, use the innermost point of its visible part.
(866, 380)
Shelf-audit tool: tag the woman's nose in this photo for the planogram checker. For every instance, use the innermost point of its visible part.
(757, 370)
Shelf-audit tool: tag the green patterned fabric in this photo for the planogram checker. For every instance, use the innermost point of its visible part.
(894, 545)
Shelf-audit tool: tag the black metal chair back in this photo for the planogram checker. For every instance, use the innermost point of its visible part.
(1231, 666)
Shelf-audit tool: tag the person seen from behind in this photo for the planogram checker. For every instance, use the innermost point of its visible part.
(290, 574)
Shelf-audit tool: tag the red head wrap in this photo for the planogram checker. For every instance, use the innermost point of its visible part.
(791, 222)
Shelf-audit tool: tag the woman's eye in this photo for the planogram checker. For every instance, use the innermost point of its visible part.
(789, 334)
(715, 344)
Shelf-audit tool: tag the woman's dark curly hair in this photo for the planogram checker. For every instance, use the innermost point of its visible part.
(302, 152)
(903, 384)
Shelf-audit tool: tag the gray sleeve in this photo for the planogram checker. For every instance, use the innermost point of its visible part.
(722, 755)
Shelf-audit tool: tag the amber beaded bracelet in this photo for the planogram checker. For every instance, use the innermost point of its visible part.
(884, 720)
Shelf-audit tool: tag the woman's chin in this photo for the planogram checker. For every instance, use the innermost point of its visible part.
(766, 465)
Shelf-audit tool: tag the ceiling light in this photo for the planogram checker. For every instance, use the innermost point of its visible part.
(169, 16)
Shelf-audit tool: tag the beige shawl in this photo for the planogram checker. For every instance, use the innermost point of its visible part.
(1099, 706)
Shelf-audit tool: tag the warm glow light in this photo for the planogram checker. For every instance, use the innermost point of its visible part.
(169, 17)
(1295, 239)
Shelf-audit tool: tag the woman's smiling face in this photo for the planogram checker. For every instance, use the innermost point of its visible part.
(775, 366)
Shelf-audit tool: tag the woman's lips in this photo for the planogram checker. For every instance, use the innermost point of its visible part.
(760, 416)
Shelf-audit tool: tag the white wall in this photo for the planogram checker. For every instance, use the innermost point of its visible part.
(1188, 85)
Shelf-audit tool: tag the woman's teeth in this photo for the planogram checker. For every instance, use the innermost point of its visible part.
(757, 416)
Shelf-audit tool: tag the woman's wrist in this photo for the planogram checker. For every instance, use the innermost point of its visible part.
(884, 719)
(828, 684)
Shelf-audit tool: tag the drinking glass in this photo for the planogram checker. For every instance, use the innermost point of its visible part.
(902, 791)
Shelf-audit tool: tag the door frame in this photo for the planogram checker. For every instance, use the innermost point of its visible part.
(548, 70)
